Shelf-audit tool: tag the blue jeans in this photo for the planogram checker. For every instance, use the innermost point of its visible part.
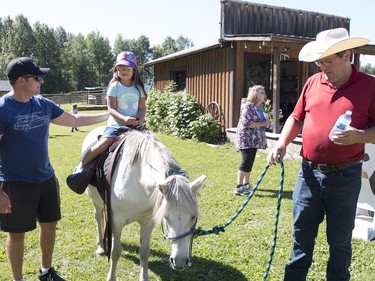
(317, 194)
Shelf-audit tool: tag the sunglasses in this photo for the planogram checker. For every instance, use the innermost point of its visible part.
(326, 63)
(37, 78)
(125, 68)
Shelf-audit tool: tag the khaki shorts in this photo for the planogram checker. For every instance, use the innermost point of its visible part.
(31, 202)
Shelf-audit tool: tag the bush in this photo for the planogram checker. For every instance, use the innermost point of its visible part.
(178, 114)
(206, 129)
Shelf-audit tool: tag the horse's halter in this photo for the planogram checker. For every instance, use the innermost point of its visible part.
(175, 238)
(187, 233)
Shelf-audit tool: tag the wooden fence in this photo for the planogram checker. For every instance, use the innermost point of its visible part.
(96, 97)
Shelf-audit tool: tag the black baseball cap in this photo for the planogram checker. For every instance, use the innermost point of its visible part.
(24, 66)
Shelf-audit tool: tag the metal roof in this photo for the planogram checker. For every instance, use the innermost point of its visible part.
(186, 52)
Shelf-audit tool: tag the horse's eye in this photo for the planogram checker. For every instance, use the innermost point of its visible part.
(193, 217)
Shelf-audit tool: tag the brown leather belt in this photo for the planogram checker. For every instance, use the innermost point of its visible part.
(327, 168)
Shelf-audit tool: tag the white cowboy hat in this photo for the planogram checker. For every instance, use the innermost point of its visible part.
(329, 42)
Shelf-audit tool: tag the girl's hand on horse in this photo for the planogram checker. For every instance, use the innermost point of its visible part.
(131, 121)
(139, 124)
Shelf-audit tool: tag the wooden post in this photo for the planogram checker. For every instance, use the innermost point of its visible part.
(276, 89)
(232, 86)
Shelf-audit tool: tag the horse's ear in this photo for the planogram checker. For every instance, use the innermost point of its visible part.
(197, 184)
(163, 187)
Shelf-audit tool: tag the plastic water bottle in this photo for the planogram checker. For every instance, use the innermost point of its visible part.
(341, 124)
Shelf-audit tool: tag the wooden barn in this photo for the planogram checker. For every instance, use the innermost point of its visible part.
(258, 44)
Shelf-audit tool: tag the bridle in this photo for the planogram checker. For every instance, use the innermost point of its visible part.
(183, 235)
(178, 237)
(178, 171)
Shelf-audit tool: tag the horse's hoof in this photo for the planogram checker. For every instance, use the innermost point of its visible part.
(100, 252)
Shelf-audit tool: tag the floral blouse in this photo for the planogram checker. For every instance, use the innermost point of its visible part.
(250, 137)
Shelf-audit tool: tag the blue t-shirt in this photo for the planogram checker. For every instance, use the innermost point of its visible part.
(262, 117)
(127, 101)
(24, 145)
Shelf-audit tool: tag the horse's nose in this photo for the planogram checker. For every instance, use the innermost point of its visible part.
(179, 264)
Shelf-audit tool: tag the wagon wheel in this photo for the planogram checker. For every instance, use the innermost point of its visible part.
(213, 109)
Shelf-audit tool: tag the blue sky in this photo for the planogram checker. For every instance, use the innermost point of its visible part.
(196, 19)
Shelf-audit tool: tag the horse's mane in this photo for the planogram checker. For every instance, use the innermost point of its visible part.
(151, 153)
(178, 196)
(159, 167)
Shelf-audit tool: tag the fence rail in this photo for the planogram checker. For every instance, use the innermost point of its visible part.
(80, 97)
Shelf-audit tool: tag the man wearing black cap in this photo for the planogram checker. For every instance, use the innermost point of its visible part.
(29, 189)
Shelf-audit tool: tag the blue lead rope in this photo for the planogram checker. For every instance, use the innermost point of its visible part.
(218, 229)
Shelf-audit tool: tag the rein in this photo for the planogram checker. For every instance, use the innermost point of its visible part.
(218, 229)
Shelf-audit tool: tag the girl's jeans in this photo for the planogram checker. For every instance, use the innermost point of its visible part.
(334, 195)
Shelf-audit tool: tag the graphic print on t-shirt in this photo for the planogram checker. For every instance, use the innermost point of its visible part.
(128, 102)
(30, 121)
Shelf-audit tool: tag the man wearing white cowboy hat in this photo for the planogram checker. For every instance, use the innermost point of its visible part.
(329, 179)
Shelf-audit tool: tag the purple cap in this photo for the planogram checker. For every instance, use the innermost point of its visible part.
(126, 58)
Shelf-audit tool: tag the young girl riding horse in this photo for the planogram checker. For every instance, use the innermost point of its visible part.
(126, 99)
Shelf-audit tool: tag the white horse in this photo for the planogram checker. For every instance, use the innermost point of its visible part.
(147, 186)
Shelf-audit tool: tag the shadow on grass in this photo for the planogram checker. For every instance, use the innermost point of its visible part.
(201, 269)
(58, 136)
(273, 193)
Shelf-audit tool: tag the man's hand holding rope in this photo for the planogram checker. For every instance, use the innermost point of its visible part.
(276, 154)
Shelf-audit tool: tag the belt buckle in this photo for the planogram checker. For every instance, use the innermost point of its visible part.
(321, 167)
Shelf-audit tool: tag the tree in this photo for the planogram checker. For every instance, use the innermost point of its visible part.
(74, 63)
(22, 38)
(122, 44)
(99, 59)
(368, 68)
(16, 40)
(170, 46)
(47, 52)
(183, 43)
(142, 50)
(157, 51)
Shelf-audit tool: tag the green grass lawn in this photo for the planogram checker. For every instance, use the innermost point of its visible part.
(240, 253)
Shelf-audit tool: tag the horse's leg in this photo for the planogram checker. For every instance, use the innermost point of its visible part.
(144, 250)
(98, 213)
(116, 249)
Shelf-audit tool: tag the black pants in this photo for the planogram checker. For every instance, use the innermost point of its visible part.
(248, 157)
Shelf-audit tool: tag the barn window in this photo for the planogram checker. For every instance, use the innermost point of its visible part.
(179, 77)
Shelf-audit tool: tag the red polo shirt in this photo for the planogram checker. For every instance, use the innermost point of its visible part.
(319, 106)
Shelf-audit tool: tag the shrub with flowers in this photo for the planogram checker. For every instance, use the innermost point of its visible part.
(267, 108)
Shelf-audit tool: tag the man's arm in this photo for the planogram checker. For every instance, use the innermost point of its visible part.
(353, 135)
(5, 205)
(291, 129)
(77, 120)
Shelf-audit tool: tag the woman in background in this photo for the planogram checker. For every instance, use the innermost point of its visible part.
(250, 136)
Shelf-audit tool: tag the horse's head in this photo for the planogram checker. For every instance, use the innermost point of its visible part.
(180, 215)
